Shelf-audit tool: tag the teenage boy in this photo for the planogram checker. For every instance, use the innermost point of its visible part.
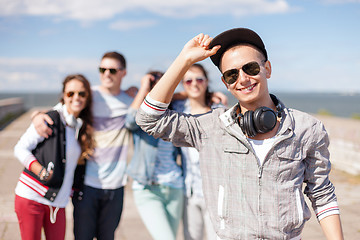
(98, 207)
(255, 156)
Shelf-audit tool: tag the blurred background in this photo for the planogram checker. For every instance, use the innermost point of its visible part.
(313, 45)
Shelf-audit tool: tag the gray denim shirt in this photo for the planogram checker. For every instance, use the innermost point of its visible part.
(247, 200)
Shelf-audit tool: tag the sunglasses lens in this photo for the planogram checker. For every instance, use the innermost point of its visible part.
(199, 80)
(188, 82)
(81, 94)
(70, 94)
(230, 76)
(113, 70)
(251, 68)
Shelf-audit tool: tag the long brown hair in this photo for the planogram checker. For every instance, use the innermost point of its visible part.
(208, 94)
(85, 138)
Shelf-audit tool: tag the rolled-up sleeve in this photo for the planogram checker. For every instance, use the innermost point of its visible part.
(319, 188)
(181, 129)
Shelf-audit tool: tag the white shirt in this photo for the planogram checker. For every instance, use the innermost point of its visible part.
(261, 148)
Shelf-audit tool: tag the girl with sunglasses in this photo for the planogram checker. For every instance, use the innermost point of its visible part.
(46, 183)
(196, 219)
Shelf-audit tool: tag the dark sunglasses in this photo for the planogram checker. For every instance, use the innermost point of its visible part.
(251, 68)
(112, 70)
(71, 94)
(198, 80)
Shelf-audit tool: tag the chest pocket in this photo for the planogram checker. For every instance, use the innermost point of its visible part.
(232, 145)
(290, 151)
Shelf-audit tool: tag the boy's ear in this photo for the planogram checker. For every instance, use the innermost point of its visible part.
(226, 85)
(268, 69)
(124, 72)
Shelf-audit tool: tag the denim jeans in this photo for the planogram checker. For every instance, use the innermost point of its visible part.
(160, 208)
(98, 213)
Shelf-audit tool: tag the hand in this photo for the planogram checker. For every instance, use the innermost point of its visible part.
(131, 91)
(197, 49)
(143, 91)
(219, 97)
(45, 175)
(39, 121)
(147, 82)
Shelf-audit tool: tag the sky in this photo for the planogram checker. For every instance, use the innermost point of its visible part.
(313, 45)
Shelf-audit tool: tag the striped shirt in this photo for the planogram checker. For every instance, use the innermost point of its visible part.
(106, 169)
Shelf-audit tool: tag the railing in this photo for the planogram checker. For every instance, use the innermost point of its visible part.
(10, 108)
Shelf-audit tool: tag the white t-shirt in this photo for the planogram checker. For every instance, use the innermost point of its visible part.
(261, 147)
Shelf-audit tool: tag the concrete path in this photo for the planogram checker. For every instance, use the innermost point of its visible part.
(131, 226)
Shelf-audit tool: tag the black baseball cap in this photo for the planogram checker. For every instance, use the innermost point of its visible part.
(233, 37)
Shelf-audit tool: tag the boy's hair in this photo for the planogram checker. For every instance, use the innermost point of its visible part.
(117, 56)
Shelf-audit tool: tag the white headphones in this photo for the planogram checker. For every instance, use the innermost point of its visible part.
(71, 121)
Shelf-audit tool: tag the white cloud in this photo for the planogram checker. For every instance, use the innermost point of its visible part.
(127, 24)
(71, 63)
(47, 74)
(84, 10)
(31, 74)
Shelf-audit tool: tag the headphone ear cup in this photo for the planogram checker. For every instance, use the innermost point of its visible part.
(264, 119)
(71, 121)
(247, 125)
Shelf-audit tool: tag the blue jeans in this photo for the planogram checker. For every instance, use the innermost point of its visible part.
(98, 213)
(161, 209)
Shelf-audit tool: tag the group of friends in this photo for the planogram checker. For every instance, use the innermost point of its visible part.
(228, 173)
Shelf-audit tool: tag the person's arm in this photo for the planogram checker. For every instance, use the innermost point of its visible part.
(23, 151)
(319, 188)
(331, 227)
(195, 50)
(139, 98)
(143, 91)
(217, 97)
(180, 96)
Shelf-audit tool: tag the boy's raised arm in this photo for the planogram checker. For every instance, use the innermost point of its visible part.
(197, 49)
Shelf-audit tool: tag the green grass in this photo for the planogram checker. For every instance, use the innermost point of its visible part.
(355, 116)
(325, 112)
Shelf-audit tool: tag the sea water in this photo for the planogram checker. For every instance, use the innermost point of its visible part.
(337, 104)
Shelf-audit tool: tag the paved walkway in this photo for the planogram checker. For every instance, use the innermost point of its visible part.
(131, 227)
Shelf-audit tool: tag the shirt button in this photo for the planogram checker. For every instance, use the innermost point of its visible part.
(64, 160)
